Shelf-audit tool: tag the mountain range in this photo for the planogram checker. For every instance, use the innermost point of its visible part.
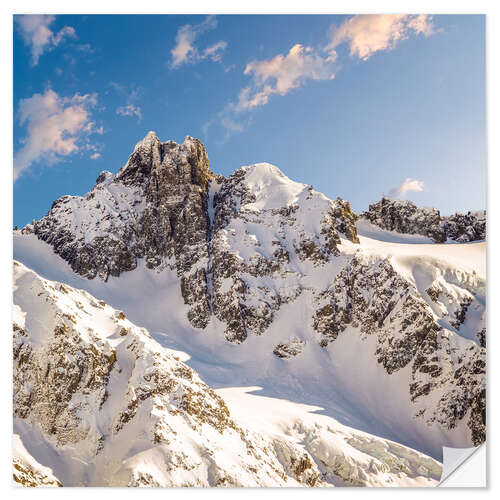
(186, 328)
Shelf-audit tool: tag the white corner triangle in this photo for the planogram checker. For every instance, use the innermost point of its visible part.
(464, 467)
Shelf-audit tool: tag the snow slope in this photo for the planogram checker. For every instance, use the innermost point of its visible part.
(469, 257)
(28, 472)
(114, 408)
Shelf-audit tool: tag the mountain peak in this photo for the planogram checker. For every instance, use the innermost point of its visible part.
(147, 143)
(270, 186)
(185, 162)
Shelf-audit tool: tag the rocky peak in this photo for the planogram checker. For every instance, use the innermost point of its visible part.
(466, 227)
(104, 177)
(403, 216)
(154, 208)
(153, 161)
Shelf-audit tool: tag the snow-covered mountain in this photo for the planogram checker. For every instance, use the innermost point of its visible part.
(98, 402)
(266, 282)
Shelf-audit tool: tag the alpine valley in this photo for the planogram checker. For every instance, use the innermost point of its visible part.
(174, 327)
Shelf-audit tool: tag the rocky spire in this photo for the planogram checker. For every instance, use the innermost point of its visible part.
(184, 163)
(154, 208)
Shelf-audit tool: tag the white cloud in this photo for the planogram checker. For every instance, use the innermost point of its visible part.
(369, 33)
(408, 185)
(38, 36)
(129, 110)
(95, 156)
(56, 127)
(185, 50)
(283, 73)
(214, 52)
(132, 95)
(278, 75)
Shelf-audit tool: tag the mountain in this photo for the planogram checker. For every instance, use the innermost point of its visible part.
(266, 282)
(403, 216)
(98, 402)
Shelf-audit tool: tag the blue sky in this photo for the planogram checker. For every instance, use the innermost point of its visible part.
(357, 106)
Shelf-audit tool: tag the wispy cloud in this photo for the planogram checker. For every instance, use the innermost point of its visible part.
(278, 75)
(367, 34)
(229, 120)
(56, 127)
(131, 94)
(129, 110)
(281, 74)
(214, 52)
(186, 51)
(37, 35)
(408, 185)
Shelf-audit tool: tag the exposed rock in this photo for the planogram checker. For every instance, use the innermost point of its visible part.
(27, 476)
(370, 296)
(290, 349)
(466, 227)
(405, 217)
(242, 248)
(154, 208)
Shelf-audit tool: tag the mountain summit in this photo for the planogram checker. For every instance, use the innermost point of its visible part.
(266, 282)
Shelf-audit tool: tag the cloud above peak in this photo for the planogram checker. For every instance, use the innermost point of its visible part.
(37, 35)
(408, 185)
(129, 110)
(186, 51)
(131, 93)
(56, 127)
(282, 73)
(364, 34)
(275, 76)
(369, 33)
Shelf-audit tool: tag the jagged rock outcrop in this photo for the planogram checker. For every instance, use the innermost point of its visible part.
(371, 298)
(403, 216)
(466, 227)
(155, 208)
(289, 349)
(103, 404)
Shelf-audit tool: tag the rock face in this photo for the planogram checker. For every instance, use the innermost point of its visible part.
(103, 404)
(256, 255)
(466, 227)
(166, 207)
(261, 227)
(447, 382)
(405, 217)
(155, 208)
